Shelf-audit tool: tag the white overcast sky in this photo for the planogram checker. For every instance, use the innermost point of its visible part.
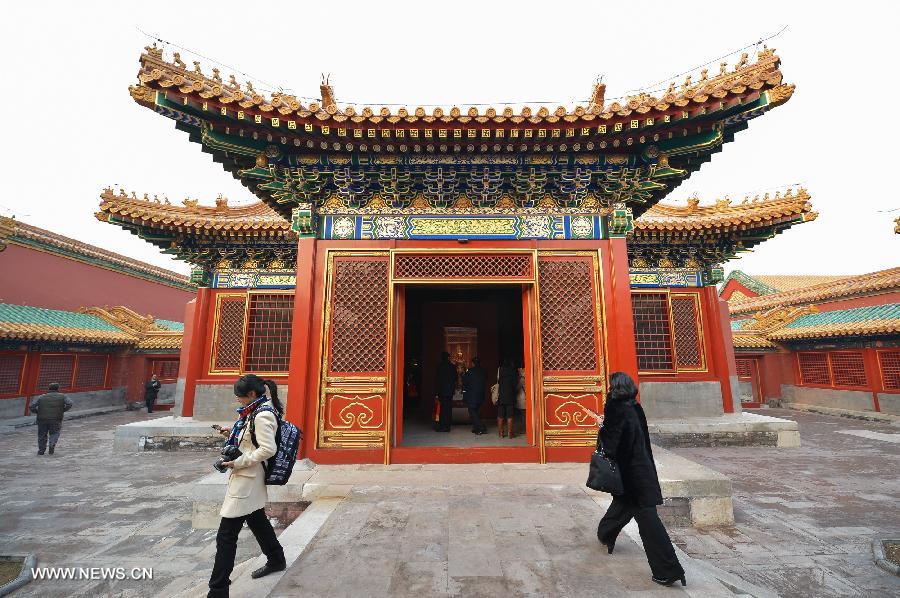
(70, 127)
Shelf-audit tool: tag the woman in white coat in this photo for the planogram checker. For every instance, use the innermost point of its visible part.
(245, 498)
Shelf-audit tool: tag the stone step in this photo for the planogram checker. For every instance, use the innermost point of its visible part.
(694, 494)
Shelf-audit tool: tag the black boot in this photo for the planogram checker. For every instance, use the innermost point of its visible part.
(267, 569)
(52, 448)
(669, 581)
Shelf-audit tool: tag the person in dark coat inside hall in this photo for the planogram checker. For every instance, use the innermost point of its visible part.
(508, 379)
(446, 386)
(474, 381)
(625, 440)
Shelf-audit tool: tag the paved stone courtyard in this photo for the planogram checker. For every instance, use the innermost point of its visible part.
(805, 518)
(88, 507)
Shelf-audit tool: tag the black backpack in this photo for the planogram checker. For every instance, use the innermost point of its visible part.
(278, 467)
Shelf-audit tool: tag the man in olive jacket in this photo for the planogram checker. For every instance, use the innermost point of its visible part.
(49, 409)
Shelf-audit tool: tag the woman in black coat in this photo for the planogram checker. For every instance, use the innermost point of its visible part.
(625, 440)
(508, 379)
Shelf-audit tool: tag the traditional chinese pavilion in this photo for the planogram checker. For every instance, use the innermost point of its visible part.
(384, 236)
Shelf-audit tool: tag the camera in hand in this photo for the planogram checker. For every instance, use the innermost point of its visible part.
(229, 453)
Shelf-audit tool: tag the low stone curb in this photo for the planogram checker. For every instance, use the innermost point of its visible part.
(881, 559)
(871, 416)
(31, 420)
(25, 576)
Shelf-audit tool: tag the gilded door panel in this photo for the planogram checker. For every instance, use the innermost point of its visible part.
(572, 357)
(353, 392)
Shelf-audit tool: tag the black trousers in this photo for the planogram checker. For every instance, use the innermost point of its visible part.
(46, 429)
(446, 414)
(477, 424)
(150, 404)
(660, 552)
(226, 547)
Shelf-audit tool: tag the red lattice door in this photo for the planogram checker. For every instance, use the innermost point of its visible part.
(352, 403)
(571, 347)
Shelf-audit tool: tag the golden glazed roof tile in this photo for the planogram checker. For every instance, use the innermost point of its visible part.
(723, 215)
(160, 341)
(750, 340)
(159, 73)
(250, 219)
(45, 332)
(865, 284)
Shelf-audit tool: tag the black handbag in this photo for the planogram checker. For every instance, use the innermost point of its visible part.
(604, 474)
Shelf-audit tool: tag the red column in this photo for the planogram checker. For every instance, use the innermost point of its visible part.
(873, 375)
(192, 347)
(721, 350)
(301, 351)
(622, 354)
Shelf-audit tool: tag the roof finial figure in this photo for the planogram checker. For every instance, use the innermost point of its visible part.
(178, 61)
(217, 77)
(197, 67)
(723, 66)
(250, 87)
(327, 92)
(233, 83)
(598, 97)
(743, 62)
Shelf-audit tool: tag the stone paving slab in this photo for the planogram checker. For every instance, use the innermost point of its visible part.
(488, 540)
(87, 506)
(805, 518)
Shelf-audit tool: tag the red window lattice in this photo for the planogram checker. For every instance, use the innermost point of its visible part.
(688, 345)
(56, 368)
(91, 371)
(359, 315)
(166, 369)
(744, 368)
(568, 321)
(889, 362)
(229, 334)
(814, 368)
(269, 324)
(11, 373)
(848, 368)
(463, 266)
(652, 334)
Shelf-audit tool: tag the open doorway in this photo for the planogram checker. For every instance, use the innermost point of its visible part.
(477, 321)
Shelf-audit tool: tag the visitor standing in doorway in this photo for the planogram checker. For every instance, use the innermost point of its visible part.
(446, 386)
(521, 399)
(625, 440)
(474, 381)
(49, 409)
(508, 380)
(151, 391)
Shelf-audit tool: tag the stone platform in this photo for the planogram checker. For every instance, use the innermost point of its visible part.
(694, 495)
(731, 429)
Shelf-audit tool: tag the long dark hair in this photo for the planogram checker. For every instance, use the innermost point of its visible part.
(621, 387)
(249, 382)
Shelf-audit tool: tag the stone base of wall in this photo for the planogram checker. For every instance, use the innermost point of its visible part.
(216, 402)
(851, 400)
(91, 399)
(180, 443)
(731, 429)
(671, 400)
(863, 415)
(889, 403)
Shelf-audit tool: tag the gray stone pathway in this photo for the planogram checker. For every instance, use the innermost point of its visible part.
(805, 517)
(86, 506)
(472, 541)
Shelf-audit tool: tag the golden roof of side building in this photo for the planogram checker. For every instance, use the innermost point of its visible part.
(157, 72)
(257, 218)
(850, 286)
(26, 235)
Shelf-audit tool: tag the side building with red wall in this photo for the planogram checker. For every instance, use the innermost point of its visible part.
(833, 344)
(53, 328)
